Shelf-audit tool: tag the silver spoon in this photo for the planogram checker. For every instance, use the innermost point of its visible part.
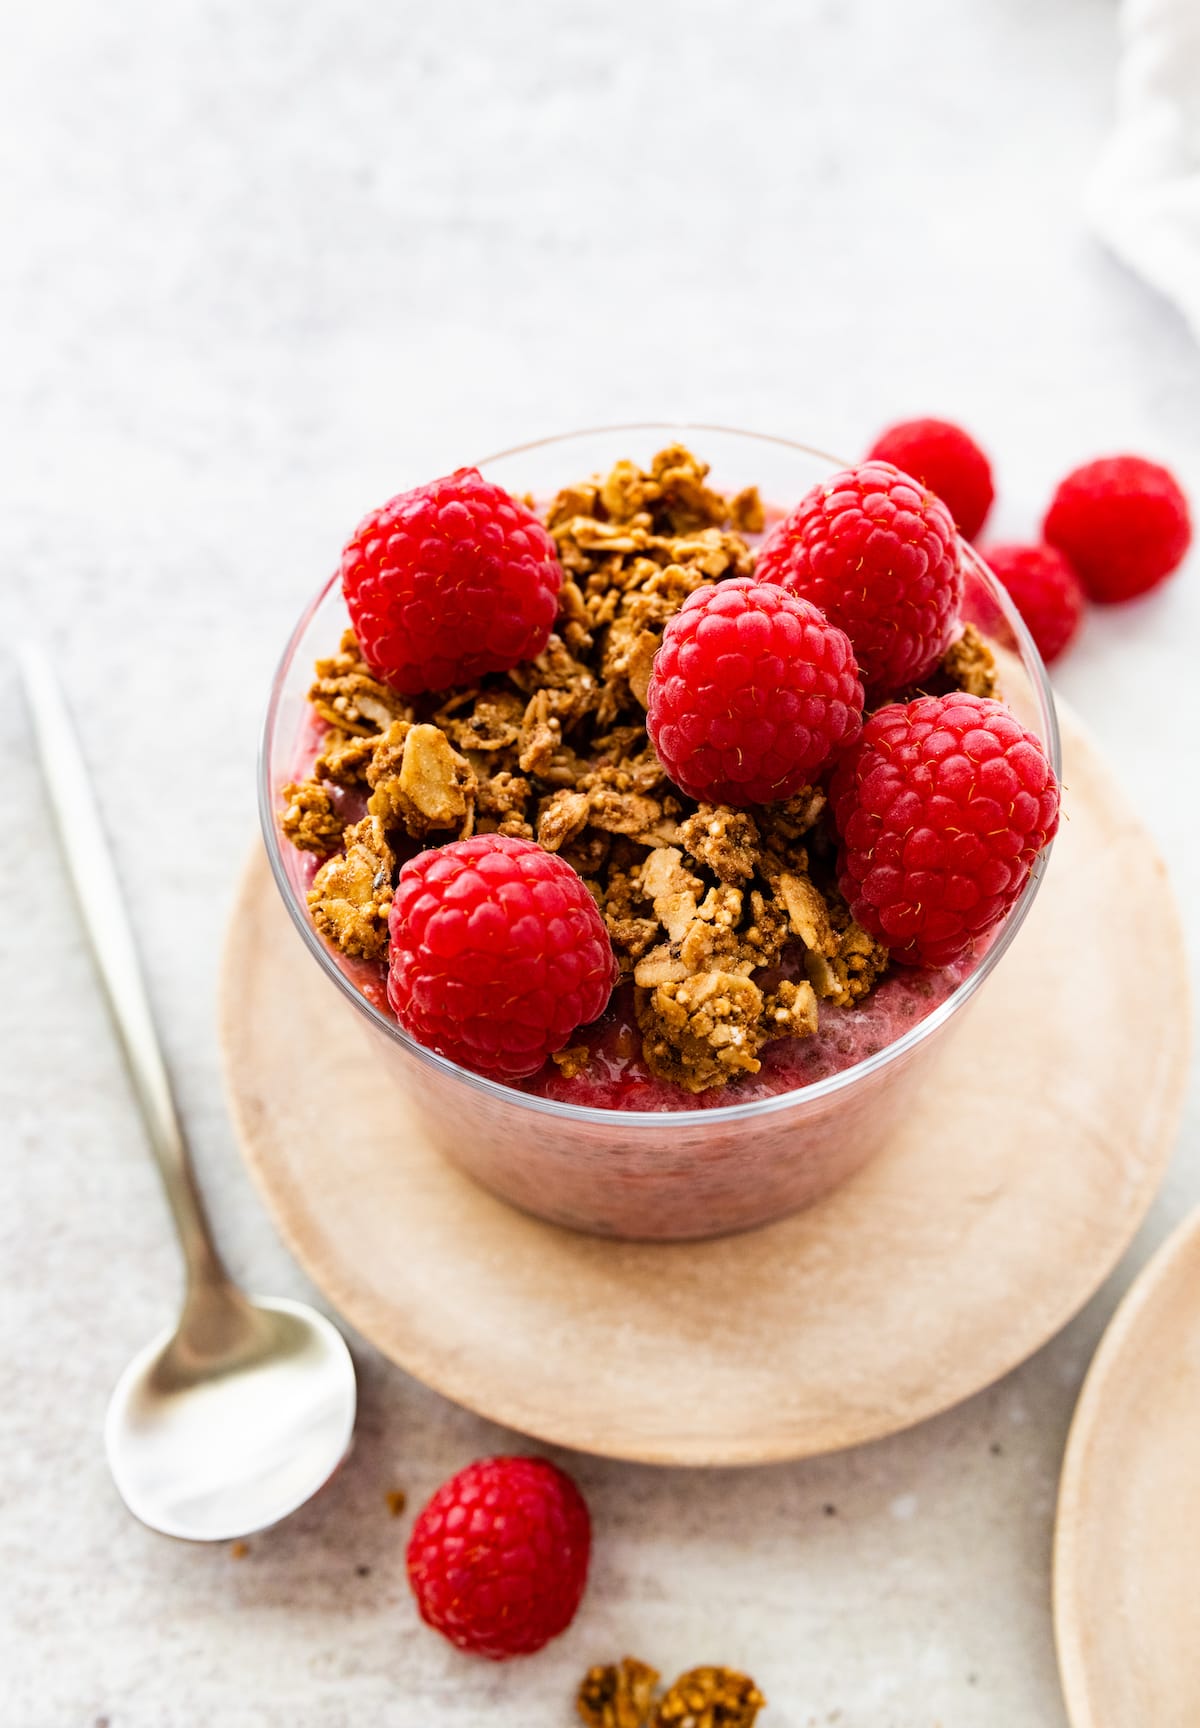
(234, 1418)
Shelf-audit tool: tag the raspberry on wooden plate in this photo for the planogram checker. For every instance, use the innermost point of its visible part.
(879, 555)
(752, 692)
(942, 807)
(498, 1560)
(449, 581)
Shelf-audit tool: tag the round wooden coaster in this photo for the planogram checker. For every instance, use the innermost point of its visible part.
(1129, 1509)
(1002, 1203)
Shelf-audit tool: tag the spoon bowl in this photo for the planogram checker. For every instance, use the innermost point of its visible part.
(223, 1427)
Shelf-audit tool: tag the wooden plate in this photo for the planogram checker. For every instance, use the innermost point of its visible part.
(1128, 1535)
(1002, 1203)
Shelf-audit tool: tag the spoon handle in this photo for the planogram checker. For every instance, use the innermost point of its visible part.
(90, 865)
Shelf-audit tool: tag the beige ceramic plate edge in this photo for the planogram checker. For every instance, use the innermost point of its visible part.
(1005, 1199)
(1127, 1540)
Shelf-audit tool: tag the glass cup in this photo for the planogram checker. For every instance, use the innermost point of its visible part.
(645, 1175)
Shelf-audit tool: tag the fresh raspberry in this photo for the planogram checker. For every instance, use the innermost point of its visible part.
(1122, 522)
(450, 581)
(942, 807)
(499, 1558)
(751, 693)
(1044, 589)
(879, 555)
(497, 954)
(946, 459)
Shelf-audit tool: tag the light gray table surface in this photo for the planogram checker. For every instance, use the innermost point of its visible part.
(261, 266)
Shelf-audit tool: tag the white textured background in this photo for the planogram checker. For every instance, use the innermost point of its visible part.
(263, 264)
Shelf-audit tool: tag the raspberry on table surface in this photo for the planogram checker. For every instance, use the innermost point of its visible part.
(1123, 524)
(753, 691)
(498, 1559)
(497, 954)
(945, 459)
(942, 808)
(879, 554)
(1044, 589)
(450, 581)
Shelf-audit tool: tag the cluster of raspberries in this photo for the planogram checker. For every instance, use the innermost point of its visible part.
(942, 803)
(1115, 528)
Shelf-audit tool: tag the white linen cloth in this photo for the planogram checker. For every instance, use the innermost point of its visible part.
(1145, 197)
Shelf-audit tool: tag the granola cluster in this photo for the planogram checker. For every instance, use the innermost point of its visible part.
(725, 920)
(621, 1695)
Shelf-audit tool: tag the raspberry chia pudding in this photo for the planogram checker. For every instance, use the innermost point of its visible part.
(648, 825)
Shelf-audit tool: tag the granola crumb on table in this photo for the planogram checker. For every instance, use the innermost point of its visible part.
(621, 1695)
(710, 1698)
(700, 901)
(617, 1694)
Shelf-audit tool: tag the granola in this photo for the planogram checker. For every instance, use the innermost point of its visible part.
(969, 665)
(573, 1060)
(617, 1694)
(421, 783)
(351, 895)
(345, 757)
(701, 1030)
(348, 695)
(710, 1698)
(621, 1695)
(700, 901)
(724, 840)
(309, 819)
(851, 970)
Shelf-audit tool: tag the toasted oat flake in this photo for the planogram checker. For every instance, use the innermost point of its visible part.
(808, 912)
(435, 781)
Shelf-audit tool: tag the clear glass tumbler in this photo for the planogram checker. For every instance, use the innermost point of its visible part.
(645, 1175)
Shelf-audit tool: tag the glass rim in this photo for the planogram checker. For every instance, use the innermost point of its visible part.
(715, 1114)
